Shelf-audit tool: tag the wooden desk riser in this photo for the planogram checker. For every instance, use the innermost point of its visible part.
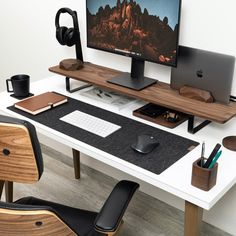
(159, 93)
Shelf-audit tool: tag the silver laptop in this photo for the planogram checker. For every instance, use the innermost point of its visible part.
(204, 70)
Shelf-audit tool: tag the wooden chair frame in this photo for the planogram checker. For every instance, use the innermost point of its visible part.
(32, 223)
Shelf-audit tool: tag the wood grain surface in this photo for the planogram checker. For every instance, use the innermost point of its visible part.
(32, 223)
(159, 93)
(17, 160)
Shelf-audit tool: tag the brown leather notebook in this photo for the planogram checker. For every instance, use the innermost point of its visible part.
(41, 102)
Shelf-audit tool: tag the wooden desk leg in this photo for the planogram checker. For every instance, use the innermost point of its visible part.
(193, 219)
(1, 187)
(76, 159)
(9, 191)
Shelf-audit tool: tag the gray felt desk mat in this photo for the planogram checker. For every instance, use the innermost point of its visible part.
(171, 148)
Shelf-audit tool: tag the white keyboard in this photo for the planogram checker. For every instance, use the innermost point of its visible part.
(90, 123)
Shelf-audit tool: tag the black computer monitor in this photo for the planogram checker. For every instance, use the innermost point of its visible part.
(145, 30)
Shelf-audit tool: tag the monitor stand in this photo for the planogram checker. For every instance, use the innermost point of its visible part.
(134, 80)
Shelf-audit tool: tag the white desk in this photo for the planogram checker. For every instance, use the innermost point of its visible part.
(176, 179)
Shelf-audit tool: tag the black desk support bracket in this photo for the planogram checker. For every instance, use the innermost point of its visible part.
(192, 129)
(68, 88)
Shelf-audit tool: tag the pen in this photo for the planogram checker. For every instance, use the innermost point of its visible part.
(202, 153)
(215, 159)
(212, 155)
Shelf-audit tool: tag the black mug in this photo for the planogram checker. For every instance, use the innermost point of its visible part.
(20, 85)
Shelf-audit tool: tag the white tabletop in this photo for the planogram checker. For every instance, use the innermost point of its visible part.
(177, 178)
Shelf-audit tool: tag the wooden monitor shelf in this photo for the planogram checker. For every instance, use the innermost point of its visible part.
(159, 93)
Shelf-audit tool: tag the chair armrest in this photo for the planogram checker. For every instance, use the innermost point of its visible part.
(110, 216)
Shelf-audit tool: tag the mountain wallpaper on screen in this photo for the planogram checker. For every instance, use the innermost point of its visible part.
(128, 27)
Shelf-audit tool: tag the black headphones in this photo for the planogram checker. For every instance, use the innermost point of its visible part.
(64, 35)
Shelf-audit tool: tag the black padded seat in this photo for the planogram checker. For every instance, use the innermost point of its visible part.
(80, 221)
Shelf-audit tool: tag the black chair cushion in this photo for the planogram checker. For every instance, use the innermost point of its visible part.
(16, 206)
(80, 221)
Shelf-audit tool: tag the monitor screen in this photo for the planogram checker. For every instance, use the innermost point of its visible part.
(146, 29)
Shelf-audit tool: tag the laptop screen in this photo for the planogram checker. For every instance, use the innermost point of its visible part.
(205, 70)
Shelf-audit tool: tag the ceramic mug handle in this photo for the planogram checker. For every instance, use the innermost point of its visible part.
(7, 82)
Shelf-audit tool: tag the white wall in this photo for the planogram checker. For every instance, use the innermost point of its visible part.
(28, 45)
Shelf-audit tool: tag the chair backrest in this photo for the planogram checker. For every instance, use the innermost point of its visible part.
(20, 153)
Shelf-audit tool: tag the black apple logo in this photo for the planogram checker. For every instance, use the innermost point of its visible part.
(199, 73)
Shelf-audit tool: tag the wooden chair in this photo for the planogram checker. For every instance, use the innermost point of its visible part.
(21, 161)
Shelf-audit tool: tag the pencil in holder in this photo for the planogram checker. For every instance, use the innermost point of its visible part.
(203, 178)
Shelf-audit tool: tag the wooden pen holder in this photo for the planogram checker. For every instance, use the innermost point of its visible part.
(203, 178)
